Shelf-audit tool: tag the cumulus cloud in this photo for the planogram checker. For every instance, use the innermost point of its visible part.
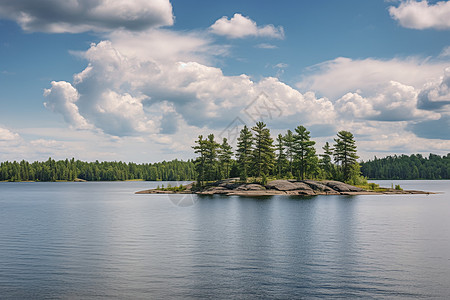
(62, 98)
(166, 45)
(355, 106)
(422, 15)
(240, 26)
(76, 16)
(339, 76)
(393, 102)
(135, 93)
(436, 95)
(8, 135)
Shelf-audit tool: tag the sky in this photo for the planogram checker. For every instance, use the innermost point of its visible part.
(141, 80)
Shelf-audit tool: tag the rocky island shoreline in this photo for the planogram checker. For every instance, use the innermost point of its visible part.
(233, 187)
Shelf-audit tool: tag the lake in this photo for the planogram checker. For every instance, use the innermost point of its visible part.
(99, 240)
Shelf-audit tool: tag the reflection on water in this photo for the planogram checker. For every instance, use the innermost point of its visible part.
(100, 240)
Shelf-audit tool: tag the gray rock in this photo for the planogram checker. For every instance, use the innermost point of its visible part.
(318, 186)
(250, 187)
(285, 185)
(342, 187)
(215, 190)
(281, 185)
(301, 186)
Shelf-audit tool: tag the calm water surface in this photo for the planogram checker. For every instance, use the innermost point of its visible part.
(100, 240)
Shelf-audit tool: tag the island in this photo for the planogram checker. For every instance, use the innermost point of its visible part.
(235, 187)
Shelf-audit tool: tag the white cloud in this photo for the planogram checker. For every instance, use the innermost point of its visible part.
(130, 94)
(339, 76)
(281, 65)
(62, 98)
(436, 95)
(445, 52)
(422, 15)
(76, 16)
(393, 102)
(266, 46)
(240, 26)
(168, 100)
(8, 135)
(165, 45)
(355, 106)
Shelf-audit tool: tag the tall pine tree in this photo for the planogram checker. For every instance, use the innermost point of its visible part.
(211, 167)
(326, 161)
(244, 151)
(345, 154)
(225, 153)
(304, 152)
(289, 143)
(263, 153)
(281, 156)
(200, 162)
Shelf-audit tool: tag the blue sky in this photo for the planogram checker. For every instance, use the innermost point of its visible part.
(140, 80)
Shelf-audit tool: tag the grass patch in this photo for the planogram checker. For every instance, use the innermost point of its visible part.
(169, 187)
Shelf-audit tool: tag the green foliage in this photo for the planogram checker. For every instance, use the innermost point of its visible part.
(264, 179)
(373, 186)
(289, 144)
(244, 151)
(406, 167)
(200, 161)
(69, 170)
(281, 160)
(169, 187)
(397, 187)
(263, 155)
(305, 158)
(326, 163)
(225, 152)
(345, 155)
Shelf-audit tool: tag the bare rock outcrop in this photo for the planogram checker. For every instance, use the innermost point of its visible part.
(233, 186)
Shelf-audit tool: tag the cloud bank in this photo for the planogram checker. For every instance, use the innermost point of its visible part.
(75, 16)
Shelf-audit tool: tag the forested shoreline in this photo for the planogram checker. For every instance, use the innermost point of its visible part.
(69, 170)
(404, 167)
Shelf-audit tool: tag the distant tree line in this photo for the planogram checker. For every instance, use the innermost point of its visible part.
(292, 155)
(69, 170)
(408, 167)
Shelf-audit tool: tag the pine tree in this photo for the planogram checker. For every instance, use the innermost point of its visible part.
(345, 154)
(225, 153)
(263, 153)
(200, 162)
(211, 168)
(304, 152)
(289, 143)
(281, 156)
(325, 161)
(243, 151)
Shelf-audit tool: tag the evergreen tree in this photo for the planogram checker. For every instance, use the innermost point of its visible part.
(281, 156)
(225, 153)
(263, 153)
(325, 161)
(244, 151)
(200, 162)
(345, 154)
(304, 152)
(211, 168)
(289, 143)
